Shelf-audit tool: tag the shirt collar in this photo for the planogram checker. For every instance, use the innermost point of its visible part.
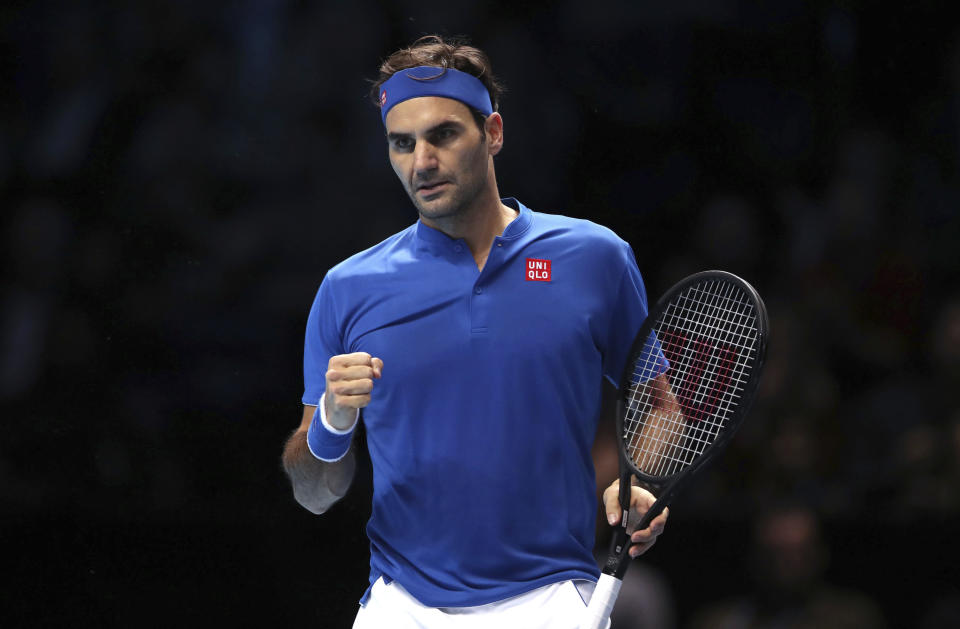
(431, 237)
(521, 223)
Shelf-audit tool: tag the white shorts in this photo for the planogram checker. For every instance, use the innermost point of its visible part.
(556, 606)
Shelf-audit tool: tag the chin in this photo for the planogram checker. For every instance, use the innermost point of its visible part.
(443, 209)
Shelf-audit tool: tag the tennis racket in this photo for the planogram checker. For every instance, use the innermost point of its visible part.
(689, 380)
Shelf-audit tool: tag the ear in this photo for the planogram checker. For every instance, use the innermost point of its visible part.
(493, 126)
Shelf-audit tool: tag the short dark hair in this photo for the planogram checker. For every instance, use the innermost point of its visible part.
(434, 50)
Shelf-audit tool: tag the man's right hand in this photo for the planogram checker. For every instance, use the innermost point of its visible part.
(349, 383)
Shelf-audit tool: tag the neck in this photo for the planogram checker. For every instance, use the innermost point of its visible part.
(479, 223)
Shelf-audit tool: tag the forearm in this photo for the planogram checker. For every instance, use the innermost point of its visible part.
(316, 484)
(663, 429)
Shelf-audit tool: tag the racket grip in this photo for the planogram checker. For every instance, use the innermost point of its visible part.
(597, 614)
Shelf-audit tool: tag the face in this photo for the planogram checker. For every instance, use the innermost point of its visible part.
(439, 154)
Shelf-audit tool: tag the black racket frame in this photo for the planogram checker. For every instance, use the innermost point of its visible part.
(666, 488)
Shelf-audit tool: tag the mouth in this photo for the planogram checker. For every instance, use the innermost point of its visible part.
(433, 187)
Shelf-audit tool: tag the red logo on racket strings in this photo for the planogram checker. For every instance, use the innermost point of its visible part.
(538, 270)
(717, 360)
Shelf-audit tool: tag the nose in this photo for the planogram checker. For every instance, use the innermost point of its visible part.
(424, 157)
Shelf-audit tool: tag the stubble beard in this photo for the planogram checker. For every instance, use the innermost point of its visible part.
(457, 200)
(453, 203)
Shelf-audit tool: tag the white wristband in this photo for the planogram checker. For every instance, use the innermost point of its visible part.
(326, 424)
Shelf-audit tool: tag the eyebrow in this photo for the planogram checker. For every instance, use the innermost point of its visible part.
(392, 136)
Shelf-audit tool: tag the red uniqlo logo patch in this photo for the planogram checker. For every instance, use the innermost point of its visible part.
(538, 270)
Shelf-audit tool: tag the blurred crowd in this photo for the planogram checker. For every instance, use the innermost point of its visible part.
(176, 177)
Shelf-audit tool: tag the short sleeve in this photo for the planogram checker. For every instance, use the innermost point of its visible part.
(627, 314)
(322, 340)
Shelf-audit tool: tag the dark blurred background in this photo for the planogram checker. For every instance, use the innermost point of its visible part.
(176, 177)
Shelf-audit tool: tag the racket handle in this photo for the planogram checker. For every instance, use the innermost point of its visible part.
(597, 614)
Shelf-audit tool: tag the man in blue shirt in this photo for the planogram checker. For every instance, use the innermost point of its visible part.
(474, 342)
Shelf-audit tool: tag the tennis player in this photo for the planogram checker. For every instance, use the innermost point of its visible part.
(474, 342)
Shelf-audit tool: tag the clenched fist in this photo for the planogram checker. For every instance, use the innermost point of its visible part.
(349, 383)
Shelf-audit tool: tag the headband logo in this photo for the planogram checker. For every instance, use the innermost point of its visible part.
(432, 81)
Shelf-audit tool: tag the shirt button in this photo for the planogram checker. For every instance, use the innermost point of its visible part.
(478, 290)
(457, 248)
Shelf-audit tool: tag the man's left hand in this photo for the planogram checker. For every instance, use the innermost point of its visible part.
(640, 501)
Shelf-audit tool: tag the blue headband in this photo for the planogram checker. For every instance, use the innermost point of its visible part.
(434, 81)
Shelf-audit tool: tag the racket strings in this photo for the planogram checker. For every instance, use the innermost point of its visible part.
(703, 314)
(709, 336)
(702, 359)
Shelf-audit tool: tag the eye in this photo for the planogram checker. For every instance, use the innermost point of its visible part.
(443, 134)
(403, 144)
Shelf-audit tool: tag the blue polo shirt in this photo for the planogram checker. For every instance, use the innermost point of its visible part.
(480, 430)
